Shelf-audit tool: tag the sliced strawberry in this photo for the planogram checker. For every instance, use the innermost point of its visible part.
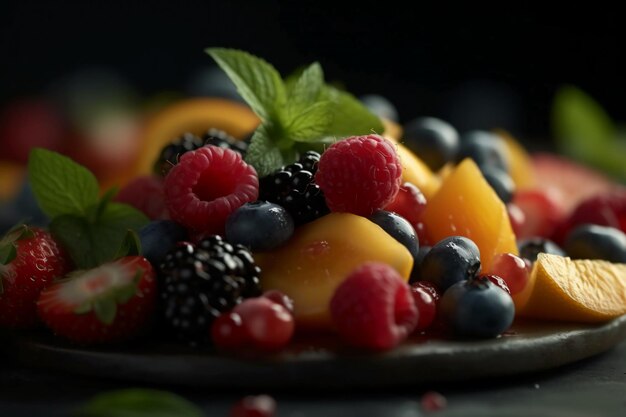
(569, 181)
(29, 260)
(107, 304)
(542, 213)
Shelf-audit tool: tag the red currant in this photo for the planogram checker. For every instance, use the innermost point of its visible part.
(499, 282)
(269, 326)
(227, 331)
(409, 203)
(512, 269)
(422, 234)
(433, 401)
(426, 298)
(517, 218)
(254, 406)
(280, 298)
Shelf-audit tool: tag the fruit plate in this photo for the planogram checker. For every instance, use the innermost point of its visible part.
(528, 347)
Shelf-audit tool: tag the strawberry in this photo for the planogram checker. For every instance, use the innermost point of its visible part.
(110, 303)
(29, 260)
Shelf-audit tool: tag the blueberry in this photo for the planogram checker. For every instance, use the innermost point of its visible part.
(433, 140)
(596, 242)
(477, 308)
(417, 262)
(500, 181)
(158, 237)
(259, 226)
(399, 228)
(486, 149)
(380, 106)
(451, 260)
(26, 203)
(531, 247)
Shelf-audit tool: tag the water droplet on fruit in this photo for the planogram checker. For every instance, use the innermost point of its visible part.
(316, 249)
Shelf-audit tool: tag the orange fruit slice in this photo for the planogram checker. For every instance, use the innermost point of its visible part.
(520, 164)
(575, 290)
(11, 178)
(465, 205)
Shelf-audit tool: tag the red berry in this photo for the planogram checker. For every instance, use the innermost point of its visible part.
(267, 325)
(422, 234)
(373, 308)
(516, 217)
(542, 213)
(146, 195)
(37, 261)
(280, 298)
(110, 303)
(498, 281)
(409, 203)
(426, 298)
(227, 331)
(359, 175)
(254, 406)
(512, 269)
(206, 186)
(433, 401)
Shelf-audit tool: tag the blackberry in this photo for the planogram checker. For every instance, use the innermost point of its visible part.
(200, 282)
(222, 139)
(293, 187)
(172, 152)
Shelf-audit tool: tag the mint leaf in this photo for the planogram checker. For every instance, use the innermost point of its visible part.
(105, 309)
(351, 117)
(312, 123)
(131, 245)
(305, 91)
(138, 403)
(7, 254)
(60, 185)
(92, 243)
(262, 153)
(258, 82)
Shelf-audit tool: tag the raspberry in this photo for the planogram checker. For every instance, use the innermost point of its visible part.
(206, 186)
(359, 175)
(373, 308)
(146, 195)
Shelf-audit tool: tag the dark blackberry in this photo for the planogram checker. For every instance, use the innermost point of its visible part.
(200, 282)
(222, 139)
(293, 187)
(171, 153)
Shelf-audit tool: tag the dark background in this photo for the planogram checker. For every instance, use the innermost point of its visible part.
(474, 69)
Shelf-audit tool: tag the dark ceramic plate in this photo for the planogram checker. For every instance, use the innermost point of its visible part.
(528, 347)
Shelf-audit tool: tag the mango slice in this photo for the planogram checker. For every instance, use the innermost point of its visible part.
(465, 205)
(320, 255)
(575, 290)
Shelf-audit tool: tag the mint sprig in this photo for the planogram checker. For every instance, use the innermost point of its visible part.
(302, 109)
(137, 402)
(92, 229)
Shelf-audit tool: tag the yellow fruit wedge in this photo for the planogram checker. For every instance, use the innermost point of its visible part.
(465, 205)
(415, 171)
(392, 130)
(520, 163)
(575, 290)
(320, 255)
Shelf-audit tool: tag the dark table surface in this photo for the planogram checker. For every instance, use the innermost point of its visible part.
(592, 387)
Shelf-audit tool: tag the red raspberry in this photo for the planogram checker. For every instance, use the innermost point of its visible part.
(206, 186)
(359, 175)
(373, 308)
(146, 195)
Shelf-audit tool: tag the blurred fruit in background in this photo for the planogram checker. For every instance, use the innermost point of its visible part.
(212, 82)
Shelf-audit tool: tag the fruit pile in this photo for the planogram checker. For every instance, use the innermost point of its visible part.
(314, 223)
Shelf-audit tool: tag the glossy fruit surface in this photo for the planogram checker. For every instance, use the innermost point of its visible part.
(398, 228)
(259, 226)
(466, 205)
(426, 299)
(484, 148)
(409, 203)
(434, 140)
(500, 181)
(513, 270)
(267, 325)
(531, 248)
(575, 290)
(590, 241)
(542, 213)
(158, 237)
(477, 308)
(449, 261)
(320, 255)
(415, 171)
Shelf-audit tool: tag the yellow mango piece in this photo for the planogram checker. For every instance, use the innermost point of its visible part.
(392, 129)
(320, 255)
(465, 205)
(574, 290)
(415, 171)
(520, 163)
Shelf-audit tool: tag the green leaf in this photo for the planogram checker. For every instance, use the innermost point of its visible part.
(351, 117)
(60, 185)
(8, 250)
(105, 309)
(131, 245)
(304, 92)
(138, 403)
(257, 81)
(7, 253)
(93, 242)
(262, 154)
(580, 124)
(312, 124)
